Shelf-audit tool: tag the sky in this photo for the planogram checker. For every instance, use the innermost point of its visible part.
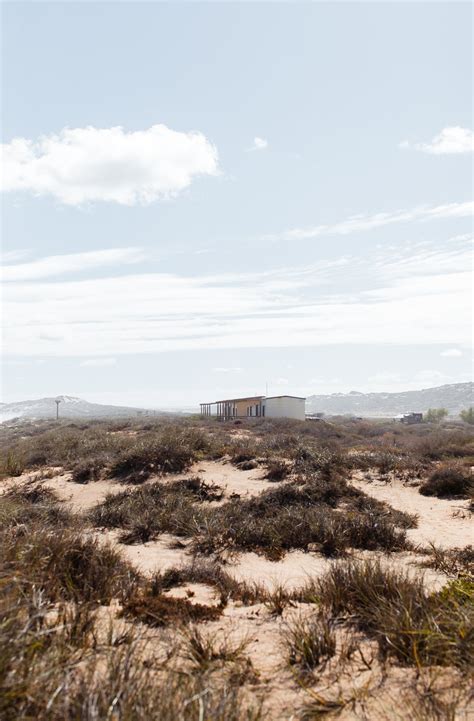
(204, 200)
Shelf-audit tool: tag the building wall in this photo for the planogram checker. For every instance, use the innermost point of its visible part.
(285, 407)
(242, 405)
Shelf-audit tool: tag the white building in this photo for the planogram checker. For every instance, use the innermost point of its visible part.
(256, 407)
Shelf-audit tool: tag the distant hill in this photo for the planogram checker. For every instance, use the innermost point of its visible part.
(453, 397)
(70, 407)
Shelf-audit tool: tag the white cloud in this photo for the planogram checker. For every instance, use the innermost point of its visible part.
(449, 140)
(451, 353)
(13, 256)
(406, 295)
(359, 223)
(80, 165)
(99, 362)
(259, 144)
(70, 263)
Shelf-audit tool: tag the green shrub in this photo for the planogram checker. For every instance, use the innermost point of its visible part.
(468, 415)
(435, 415)
(12, 464)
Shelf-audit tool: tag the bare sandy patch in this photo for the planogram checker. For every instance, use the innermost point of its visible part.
(159, 555)
(81, 496)
(195, 593)
(29, 478)
(292, 571)
(232, 480)
(436, 522)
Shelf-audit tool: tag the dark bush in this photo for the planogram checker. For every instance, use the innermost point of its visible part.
(86, 471)
(448, 481)
(161, 610)
(277, 470)
(201, 490)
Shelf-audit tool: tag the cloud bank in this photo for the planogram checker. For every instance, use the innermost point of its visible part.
(81, 165)
(449, 140)
(54, 265)
(360, 223)
(413, 295)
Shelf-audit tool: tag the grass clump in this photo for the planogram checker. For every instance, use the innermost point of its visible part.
(201, 490)
(449, 481)
(204, 650)
(211, 574)
(310, 642)
(66, 565)
(144, 513)
(42, 544)
(170, 453)
(409, 624)
(87, 471)
(11, 464)
(33, 504)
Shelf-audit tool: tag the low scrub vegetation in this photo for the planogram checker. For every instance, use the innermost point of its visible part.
(408, 623)
(299, 516)
(54, 667)
(454, 562)
(290, 516)
(159, 610)
(41, 546)
(449, 481)
(75, 616)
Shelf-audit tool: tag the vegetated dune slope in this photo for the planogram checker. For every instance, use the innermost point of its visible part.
(247, 570)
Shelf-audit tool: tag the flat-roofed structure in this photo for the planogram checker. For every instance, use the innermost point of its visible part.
(256, 407)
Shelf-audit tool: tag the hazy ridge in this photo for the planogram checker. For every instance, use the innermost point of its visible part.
(454, 397)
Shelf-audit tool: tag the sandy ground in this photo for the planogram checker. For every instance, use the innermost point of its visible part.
(292, 571)
(82, 496)
(436, 522)
(159, 555)
(229, 478)
(263, 631)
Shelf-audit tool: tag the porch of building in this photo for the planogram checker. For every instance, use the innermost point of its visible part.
(234, 408)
